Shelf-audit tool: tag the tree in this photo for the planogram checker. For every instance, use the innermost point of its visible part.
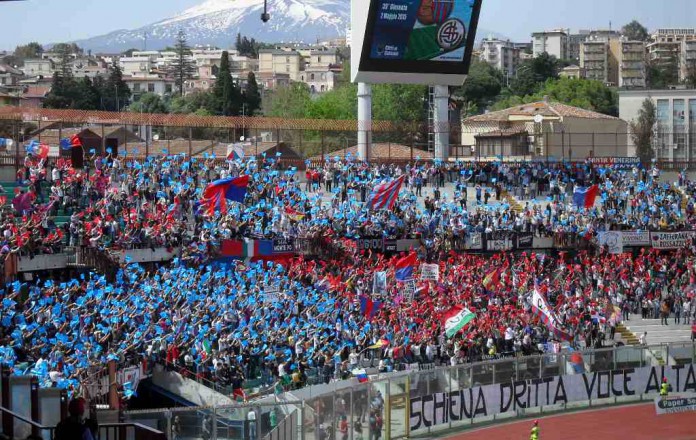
(690, 78)
(532, 74)
(662, 74)
(582, 93)
(87, 95)
(70, 48)
(183, 66)
(226, 93)
(247, 47)
(192, 103)
(635, 31)
(28, 51)
(252, 96)
(115, 92)
(482, 86)
(642, 131)
(292, 101)
(148, 103)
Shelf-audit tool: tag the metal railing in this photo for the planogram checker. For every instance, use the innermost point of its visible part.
(381, 408)
(107, 431)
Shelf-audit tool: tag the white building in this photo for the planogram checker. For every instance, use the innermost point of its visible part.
(38, 67)
(676, 120)
(501, 54)
(554, 42)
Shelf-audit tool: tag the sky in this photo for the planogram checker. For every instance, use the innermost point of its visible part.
(52, 21)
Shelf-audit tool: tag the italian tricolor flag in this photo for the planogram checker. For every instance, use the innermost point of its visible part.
(456, 319)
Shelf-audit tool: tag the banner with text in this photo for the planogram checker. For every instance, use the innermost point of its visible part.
(484, 401)
(430, 272)
(671, 240)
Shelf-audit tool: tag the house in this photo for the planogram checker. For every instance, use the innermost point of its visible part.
(39, 67)
(270, 80)
(9, 76)
(157, 84)
(554, 130)
(319, 79)
(289, 62)
(7, 99)
(33, 96)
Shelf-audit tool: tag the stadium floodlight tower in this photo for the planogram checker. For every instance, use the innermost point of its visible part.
(427, 42)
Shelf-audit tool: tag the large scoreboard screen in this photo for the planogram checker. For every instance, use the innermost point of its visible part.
(420, 36)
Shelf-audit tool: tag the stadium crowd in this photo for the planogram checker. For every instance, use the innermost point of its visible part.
(276, 322)
(116, 203)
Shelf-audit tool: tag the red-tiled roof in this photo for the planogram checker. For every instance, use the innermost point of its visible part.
(382, 151)
(546, 109)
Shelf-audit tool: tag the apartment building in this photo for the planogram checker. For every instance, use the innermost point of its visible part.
(39, 67)
(554, 42)
(501, 54)
(666, 44)
(289, 62)
(594, 60)
(630, 61)
(687, 61)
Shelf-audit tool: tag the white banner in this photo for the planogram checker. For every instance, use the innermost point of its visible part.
(671, 240)
(430, 272)
(484, 401)
(675, 404)
(613, 240)
(635, 238)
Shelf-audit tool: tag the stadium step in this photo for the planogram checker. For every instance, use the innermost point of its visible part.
(657, 333)
(628, 337)
(515, 204)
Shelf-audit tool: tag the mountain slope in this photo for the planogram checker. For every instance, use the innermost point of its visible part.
(217, 22)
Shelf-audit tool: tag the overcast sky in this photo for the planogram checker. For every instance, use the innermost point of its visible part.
(50, 21)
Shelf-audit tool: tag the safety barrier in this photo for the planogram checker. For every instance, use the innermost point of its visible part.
(427, 400)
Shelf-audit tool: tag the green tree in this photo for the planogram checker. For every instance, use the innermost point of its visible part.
(28, 51)
(642, 131)
(70, 48)
(340, 103)
(635, 31)
(252, 95)
(228, 96)
(192, 103)
(148, 103)
(662, 74)
(183, 66)
(292, 101)
(87, 95)
(482, 86)
(532, 74)
(115, 92)
(586, 94)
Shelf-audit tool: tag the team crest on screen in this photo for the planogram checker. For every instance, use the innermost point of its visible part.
(451, 34)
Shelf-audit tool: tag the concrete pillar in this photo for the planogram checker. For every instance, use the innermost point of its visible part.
(441, 126)
(364, 121)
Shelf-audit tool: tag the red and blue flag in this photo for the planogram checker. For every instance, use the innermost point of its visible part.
(585, 197)
(442, 10)
(216, 194)
(384, 195)
(368, 307)
(404, 267)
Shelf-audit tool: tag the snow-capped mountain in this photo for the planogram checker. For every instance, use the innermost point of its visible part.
(217, 22)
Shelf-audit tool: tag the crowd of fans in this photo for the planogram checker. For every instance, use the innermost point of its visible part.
(269, 322)
(117, 204)
(276, 323)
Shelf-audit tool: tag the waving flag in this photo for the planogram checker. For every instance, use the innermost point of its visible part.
(585, 197)
(37, 149)
(405, 267)
(235, 152)
(294, 215)
(542, 309)
(216, 194)
(361, 375)
(456, 319)
(72, 142)
(384, 195)
(492, 280)
(368, 307)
